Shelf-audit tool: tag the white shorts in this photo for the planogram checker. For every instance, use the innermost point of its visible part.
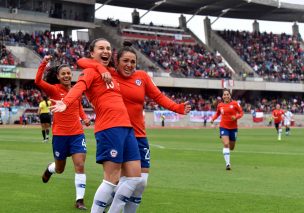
(286, 123)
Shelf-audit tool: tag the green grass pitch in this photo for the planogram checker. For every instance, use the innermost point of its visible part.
(187, 174)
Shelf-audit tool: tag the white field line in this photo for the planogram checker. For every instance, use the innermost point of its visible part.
(219, 150)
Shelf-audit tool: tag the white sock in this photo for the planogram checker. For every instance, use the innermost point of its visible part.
(280, 132)
(51, 168)
(135, 199)
(102, 196)
(80, 185)
(121, 181)
(123, 194)
(226, 152)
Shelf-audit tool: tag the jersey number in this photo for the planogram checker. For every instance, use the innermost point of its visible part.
(83, 143)
(110, 85)
(147, 155)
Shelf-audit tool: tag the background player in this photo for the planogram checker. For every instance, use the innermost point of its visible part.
(288, 116)
(45, 118)
(135, 85)
(68, 135)
(230, 112)
(278, 115)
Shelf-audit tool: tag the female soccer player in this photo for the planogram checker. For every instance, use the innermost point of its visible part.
(68, 136)
(45, 118)
(134, 86)
(288, 117)
(116, 143)
(230, 112)
(278, 116)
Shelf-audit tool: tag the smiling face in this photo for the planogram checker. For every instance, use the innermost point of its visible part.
(102, 52)
(65, 76)
(226, 96)
(126, 64)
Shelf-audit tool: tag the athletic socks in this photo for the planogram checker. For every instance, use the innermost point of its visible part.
(80, 185)
(136, 197)
(123, 194)
(43, 134)
(102, 196)
(279, 134)
(47, 132)
(226, 153)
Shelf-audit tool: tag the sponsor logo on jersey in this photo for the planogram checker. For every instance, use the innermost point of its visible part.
(113, 153)
(138, 82)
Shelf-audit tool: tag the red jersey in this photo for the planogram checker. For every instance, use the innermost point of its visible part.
(67, 122)
(133, 90)
(105, 98)
(278, 115)
(227, 110)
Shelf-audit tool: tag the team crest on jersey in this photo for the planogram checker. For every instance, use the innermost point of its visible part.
(138, 82)
(113, 153)
(231, 106)
(57, 154)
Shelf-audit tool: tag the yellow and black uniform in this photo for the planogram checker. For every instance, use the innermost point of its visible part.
(45, 116)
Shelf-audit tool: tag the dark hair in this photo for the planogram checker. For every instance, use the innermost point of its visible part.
(127, 47)
(226, 90)
(46, 100)
(91, 49)
(51, 75)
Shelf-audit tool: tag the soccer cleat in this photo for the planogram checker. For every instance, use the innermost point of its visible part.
(228, 167)
(46, 175)
(80, 204)
(279, 138)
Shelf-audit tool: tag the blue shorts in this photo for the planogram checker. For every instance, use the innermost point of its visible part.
(65, 146)
(144, 150)
(232, 133)
(117, 144)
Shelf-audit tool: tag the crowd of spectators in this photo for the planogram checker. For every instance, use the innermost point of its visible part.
(62, 48)
(184, 60)
(209, 102)
(6, 57)
(29, 96)
(275, 57)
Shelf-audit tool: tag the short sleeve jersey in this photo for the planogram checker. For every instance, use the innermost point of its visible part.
(227, 110)
(278, 114)
(43, 107)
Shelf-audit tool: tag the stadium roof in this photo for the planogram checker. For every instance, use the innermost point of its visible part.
(272, 10)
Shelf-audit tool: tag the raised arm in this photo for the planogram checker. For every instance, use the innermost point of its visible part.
(49, 89)
(153, 92)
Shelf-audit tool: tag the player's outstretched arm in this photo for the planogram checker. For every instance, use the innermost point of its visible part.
(187, 107)
(59, 106)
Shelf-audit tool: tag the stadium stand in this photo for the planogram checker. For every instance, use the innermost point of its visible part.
(161, 50)
(275, 57)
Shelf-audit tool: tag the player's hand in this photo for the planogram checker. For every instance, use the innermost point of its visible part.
(233, 117)
(106, 77)
(58, 107)
(87, 122)
(187, 107)
(212, 121)
(47, 58)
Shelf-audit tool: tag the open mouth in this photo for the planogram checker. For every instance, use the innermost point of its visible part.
(104, 58)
